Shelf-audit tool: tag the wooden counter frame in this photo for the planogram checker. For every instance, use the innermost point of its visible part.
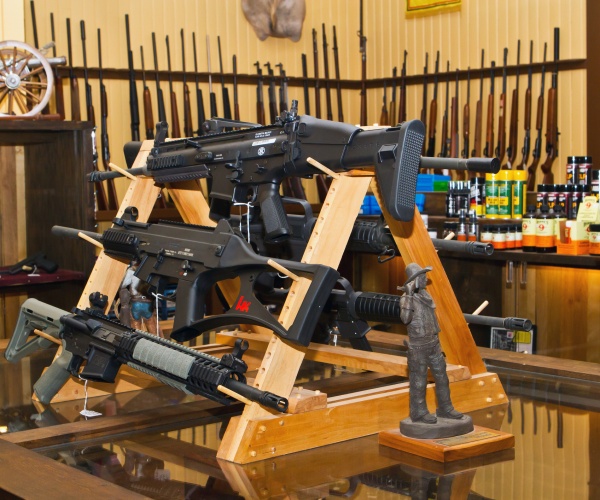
(258, 433)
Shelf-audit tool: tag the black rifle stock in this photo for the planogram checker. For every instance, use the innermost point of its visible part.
(527, 115)
(479, 114)
(336, 62)
(199, 99)
(224, 90)
(552, 118)
(176, 130)
(101, 201)
(316, 70)
(433, 109)
(148, 115)
(73, 84)
(134, 111)
(197, 258)
(249, 165)
(187, 104)
(539, 123)
(327, 81)
(160, 100)
(94, 348)
(113, 202)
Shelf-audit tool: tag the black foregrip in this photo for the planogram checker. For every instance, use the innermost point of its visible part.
(267, 399)
(371, 306)
(272, 213)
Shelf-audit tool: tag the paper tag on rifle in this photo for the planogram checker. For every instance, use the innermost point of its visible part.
(90, 413)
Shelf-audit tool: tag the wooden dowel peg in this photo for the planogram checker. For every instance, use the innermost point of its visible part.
(90, 240)
(122, 171)
(322, 168)
(234, 395)
(483, 305)
(46, 336)
(283, 270)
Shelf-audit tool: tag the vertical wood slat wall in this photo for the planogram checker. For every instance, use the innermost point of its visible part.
(460, 36)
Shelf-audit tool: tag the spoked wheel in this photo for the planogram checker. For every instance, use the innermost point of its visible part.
(26, 80)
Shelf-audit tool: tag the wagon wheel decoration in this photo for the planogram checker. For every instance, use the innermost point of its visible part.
(26, 80)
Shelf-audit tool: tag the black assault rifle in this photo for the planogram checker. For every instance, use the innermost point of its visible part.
(198, 257)
(105, 345)
(248, 166)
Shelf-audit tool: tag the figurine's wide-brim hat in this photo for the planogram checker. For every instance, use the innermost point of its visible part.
(414, 270)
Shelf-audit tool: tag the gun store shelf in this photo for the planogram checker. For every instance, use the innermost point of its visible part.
(40, 277)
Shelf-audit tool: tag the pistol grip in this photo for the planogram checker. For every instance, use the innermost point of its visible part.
(272, 213)
(55, 376)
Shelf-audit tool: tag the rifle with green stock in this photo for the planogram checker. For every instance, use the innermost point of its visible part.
(539, 123)
(148, 115)
(337, 77)
(433, 108)
(172, 95)
(513, 130)
(552, 118)
(479, 114)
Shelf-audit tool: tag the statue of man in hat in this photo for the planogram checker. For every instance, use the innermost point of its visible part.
(424, 350)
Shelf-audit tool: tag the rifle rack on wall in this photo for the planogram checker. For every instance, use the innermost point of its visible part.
(258, 434)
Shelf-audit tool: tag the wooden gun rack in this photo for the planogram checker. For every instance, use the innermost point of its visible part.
(258, 433)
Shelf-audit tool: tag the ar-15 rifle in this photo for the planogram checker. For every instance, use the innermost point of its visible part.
(104, 345)
(527, 118)
(467, 118)
(188, 129)
(199, 98)
(172, 95)
(199, 257)
(113, 202)
(316, 70)
(433, 107)
(445, 151)
(501, 147)
(402, 104)
(271, 93)
(479, 114)
(248, 166)
(148, 115)
(134, 111)
(101, 201)
(552, 118)
(513, 131)
(327, 81)
(489, 133)
(336, 62)
(74, 86)
(162, 114)
(224, 90)
(539, 123)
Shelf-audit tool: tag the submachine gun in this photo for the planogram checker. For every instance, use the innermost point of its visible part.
(105, 345)
(247, 166)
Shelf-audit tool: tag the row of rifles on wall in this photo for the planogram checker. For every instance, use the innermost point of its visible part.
(448, 145)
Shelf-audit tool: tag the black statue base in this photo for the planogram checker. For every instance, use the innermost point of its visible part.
(445, 427)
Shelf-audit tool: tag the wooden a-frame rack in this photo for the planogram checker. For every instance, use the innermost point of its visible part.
(258, 434)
